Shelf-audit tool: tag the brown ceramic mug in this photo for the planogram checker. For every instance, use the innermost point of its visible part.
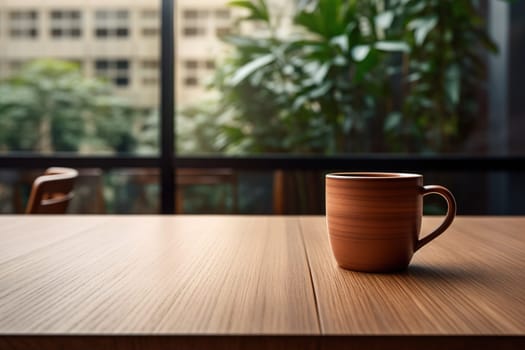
(374, 219)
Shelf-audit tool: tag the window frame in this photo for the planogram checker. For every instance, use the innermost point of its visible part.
(68, 24)
(23, 24)
(112, 70)
(111, 24)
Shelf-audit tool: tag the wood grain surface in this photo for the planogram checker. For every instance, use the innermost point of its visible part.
(470, 281)
(232, 282)
(187, 275)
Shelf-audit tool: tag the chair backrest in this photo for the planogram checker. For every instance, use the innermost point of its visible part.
(52, 191)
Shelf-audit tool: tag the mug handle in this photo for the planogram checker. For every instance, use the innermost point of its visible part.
(451, 212)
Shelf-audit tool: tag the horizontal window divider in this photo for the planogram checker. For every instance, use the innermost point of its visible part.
(359, 163)
(104, 162)
(287, 162)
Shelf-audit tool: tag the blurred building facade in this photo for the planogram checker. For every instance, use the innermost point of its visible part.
(119, 40)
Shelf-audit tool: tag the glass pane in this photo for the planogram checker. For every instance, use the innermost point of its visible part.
(516, 123)
(293, 192)
(224, 191)
(72, 77)
(120, 191)
(207, 191)
(384, 77)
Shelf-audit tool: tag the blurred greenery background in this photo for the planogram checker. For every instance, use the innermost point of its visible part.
(350, 76)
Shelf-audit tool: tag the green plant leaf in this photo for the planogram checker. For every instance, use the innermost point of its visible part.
(257, 10)
(384, 19)
(453, 83)
(366, 66)
(299, 102)
(486, 41)
(392, 46)
(360, 52)
(341, 41)
(348, 123)
(421, 27)
(320, 74)
(392, 121)
(250, 68)
(320, 90)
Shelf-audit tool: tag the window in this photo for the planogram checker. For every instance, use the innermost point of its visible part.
(190, 72)
(150, 72)
(191, 14)
(23, 24)
(191, 81)
(267, 117)
(194, 31)
(153, 32)
(194, 22)
(197, 71)
(210, 65)
(191, 64)
(150, 23)
(201, 22)
(150, 65)
(150, 14)
(222, 22)
(117, 71)
(41, 40)
(148, 81)
(14, 66)
(65, 24)
(113, 23)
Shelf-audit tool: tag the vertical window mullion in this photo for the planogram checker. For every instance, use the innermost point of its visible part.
(167, 107)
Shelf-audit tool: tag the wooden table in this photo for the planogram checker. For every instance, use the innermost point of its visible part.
(232, 282)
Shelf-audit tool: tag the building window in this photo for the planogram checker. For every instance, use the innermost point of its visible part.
(148, 81)
(116, 71)
(222, 31)
(150, 14)
(194, 64)
(210, 64)
(194, 31)
(191, 81)
(23, 24)
(15, 66)
(191, 73)
(150, 72)
(150, 23)
(65, 24)
(194, 22)
(150, 32)
(201, 22)
(222, 22)
(190, 14)
(196, 71)
(150, 64)
(114, 24)
(191, 64)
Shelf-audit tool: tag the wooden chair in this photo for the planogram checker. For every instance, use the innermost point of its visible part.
(52, 191)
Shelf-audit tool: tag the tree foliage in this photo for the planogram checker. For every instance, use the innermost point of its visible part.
(50, 106)
(352, 76)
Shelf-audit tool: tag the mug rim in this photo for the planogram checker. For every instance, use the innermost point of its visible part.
(371, 175)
